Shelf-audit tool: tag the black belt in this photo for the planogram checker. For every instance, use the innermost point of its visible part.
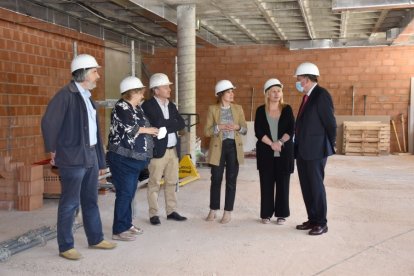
(171, 147)
(92, 147)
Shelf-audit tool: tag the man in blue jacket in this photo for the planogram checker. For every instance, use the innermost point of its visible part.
(315, 136)
(71, 134)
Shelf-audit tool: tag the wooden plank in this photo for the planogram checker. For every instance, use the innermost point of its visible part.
(366, 137)
(385, 119)
(361, 139)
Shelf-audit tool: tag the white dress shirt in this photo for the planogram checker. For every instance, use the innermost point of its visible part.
(93, 139)
(172, 138)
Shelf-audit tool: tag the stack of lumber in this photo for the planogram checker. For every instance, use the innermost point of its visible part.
(366, 138)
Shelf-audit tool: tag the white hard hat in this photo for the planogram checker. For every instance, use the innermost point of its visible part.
(83, 61)
(271, 82)
(129, 83)
(159, 79)
(307, 68)
(224, 85)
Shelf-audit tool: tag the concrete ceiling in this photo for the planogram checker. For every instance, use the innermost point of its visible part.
(297, 24)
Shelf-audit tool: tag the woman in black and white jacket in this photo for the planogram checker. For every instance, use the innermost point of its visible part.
(130, 147)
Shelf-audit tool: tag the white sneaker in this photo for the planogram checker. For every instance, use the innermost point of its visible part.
(124, 236)
(266, 220)
(135, 230)
(280, 221)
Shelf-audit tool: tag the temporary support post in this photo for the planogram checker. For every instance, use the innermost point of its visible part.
(176, 80)
(132, 58)
(365, 105)
(353, 100)
(411, 119)
(75, 49)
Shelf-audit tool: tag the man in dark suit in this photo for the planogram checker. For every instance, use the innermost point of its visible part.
(163, 113)
(315, 135)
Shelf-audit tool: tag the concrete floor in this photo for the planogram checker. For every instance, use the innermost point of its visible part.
(370, 219)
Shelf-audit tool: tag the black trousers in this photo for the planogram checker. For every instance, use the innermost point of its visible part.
(271, 202)
(229, 162)
(311, 175)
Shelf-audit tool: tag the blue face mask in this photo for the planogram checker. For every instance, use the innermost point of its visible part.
(299, 87)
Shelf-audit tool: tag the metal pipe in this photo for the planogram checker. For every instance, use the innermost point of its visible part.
(30, 239)
(365, 105)
(27, 238)
(75, 49)
(27, 235)
(252, 105)
(353, 100)
(132, 58)
(176, 80)
(410, 113)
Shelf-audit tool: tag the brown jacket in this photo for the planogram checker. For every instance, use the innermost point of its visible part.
(213, 119)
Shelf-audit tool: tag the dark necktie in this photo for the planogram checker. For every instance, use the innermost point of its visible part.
(302, 105)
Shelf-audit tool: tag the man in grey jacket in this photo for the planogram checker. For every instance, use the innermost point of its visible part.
(71, 134)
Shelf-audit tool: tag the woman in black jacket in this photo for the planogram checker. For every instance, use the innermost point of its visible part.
(274, 128)
(130, 148)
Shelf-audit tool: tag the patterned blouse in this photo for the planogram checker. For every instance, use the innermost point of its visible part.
(123, 139)
(226, 117)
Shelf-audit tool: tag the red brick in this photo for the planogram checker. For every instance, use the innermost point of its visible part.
(30, 173)
(29, 203)
(29, 188)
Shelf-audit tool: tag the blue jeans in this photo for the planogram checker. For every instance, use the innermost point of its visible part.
(79, 185)
(125, 172)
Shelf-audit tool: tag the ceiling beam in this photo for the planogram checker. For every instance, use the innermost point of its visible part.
(158, 15)
(270, 19)
(380, 20)
(306, 18)
(217, 33)
(343, 5)
(237, 23)
(344, 24)
(243, 28)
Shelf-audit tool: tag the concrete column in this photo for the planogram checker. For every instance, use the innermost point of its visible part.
(186, 71)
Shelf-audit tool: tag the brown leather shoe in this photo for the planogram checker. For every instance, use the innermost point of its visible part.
(318, 230)
(304, 226)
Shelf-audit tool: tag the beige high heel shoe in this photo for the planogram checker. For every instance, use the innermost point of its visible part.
(211, 215)
(226, 217)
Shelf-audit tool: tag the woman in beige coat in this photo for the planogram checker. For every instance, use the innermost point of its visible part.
(225, 125)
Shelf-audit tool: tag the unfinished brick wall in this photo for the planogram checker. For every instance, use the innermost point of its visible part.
(35, 58)
(381, 73)
(35, 62)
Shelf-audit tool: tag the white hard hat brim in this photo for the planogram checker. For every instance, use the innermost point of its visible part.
(270, 86)
(155, 86)
(234, 87)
